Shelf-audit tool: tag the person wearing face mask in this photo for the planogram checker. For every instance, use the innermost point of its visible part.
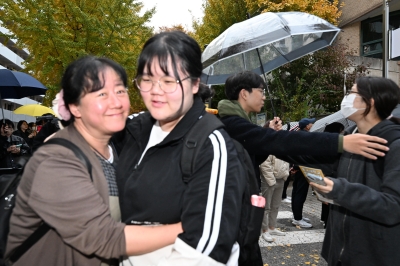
(364, 223)
(32, 128)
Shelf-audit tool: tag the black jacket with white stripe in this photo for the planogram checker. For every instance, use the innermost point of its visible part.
(153, 192)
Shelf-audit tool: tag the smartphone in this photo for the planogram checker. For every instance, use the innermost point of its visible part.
(18, 145)
(316, 179)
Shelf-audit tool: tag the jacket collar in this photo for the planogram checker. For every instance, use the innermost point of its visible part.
(227, 107)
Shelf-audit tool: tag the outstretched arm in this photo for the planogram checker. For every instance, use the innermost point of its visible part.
(365, 145)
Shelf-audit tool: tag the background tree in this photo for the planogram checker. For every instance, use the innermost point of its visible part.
(314, 84)
(218, 16)
(56, 32)
(177, 27)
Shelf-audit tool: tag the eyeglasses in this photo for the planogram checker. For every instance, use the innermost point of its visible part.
(167, 84)
(350, 92)
(262, 90)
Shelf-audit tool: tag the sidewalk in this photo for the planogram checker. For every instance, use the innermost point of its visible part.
(311, 210)
(299, 246)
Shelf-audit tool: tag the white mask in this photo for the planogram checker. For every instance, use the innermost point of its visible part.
(347, 105)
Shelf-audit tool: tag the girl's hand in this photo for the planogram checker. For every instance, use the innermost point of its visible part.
(323, 189)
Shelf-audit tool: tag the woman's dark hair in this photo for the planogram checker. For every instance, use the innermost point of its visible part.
(181, 49)
(30, 125)
(244, 80)
(385, 92)
(20, 124)
(334, 127)
(82, 77)
(205, 92)
(7, 122)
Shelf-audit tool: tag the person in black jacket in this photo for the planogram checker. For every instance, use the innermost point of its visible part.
(364, 222)
(11, 147)
(245, 92)
(300, 185)
(149, 174)
(24, 132)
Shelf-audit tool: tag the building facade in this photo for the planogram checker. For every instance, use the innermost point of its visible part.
(362, 27)
(12, 58)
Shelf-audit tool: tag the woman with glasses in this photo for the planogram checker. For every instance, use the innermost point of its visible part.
(364, 223)
(149, 176)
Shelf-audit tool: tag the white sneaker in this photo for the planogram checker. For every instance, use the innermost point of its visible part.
(287, 200)
(290, 198)
(304, 219)
(267, 237)
(276, 232)
(302, 223)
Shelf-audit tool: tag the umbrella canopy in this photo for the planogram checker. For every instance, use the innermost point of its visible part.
(319, 125)
(16, 85)
(33, 110)
(263, 43)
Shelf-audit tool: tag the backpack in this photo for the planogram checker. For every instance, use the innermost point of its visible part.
(8, 192)
(251, 216)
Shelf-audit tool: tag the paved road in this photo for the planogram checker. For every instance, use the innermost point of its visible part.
(298, 246)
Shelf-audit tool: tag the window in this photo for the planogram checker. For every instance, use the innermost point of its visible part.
(371, 34)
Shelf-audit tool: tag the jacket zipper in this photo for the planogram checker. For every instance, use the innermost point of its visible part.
(345, 215)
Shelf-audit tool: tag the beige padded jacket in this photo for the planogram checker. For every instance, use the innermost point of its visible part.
(273, 168)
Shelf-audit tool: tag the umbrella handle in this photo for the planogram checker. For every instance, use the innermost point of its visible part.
(265, 78)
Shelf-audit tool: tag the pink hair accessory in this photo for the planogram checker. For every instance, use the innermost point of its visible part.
(59, 107)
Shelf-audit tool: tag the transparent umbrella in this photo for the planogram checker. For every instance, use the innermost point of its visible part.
(319, 125)
(263, 43)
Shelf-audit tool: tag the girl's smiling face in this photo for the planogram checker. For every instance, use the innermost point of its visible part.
(169, 108)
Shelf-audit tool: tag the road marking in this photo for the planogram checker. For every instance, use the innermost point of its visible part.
(296, 237)
(285, 215)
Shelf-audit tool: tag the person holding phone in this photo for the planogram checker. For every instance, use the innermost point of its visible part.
(11, 146)
(364, 223)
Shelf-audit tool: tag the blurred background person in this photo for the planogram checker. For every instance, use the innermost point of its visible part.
(24, 132)
(11, 147)
(274, 172)
(300, 185)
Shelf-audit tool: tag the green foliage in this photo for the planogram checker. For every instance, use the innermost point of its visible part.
(56, 32)
(218, 16)
(314, 84)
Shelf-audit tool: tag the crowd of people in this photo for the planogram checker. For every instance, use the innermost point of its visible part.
(138, 211)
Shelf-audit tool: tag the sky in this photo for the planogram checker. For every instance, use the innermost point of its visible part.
(172, 12)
